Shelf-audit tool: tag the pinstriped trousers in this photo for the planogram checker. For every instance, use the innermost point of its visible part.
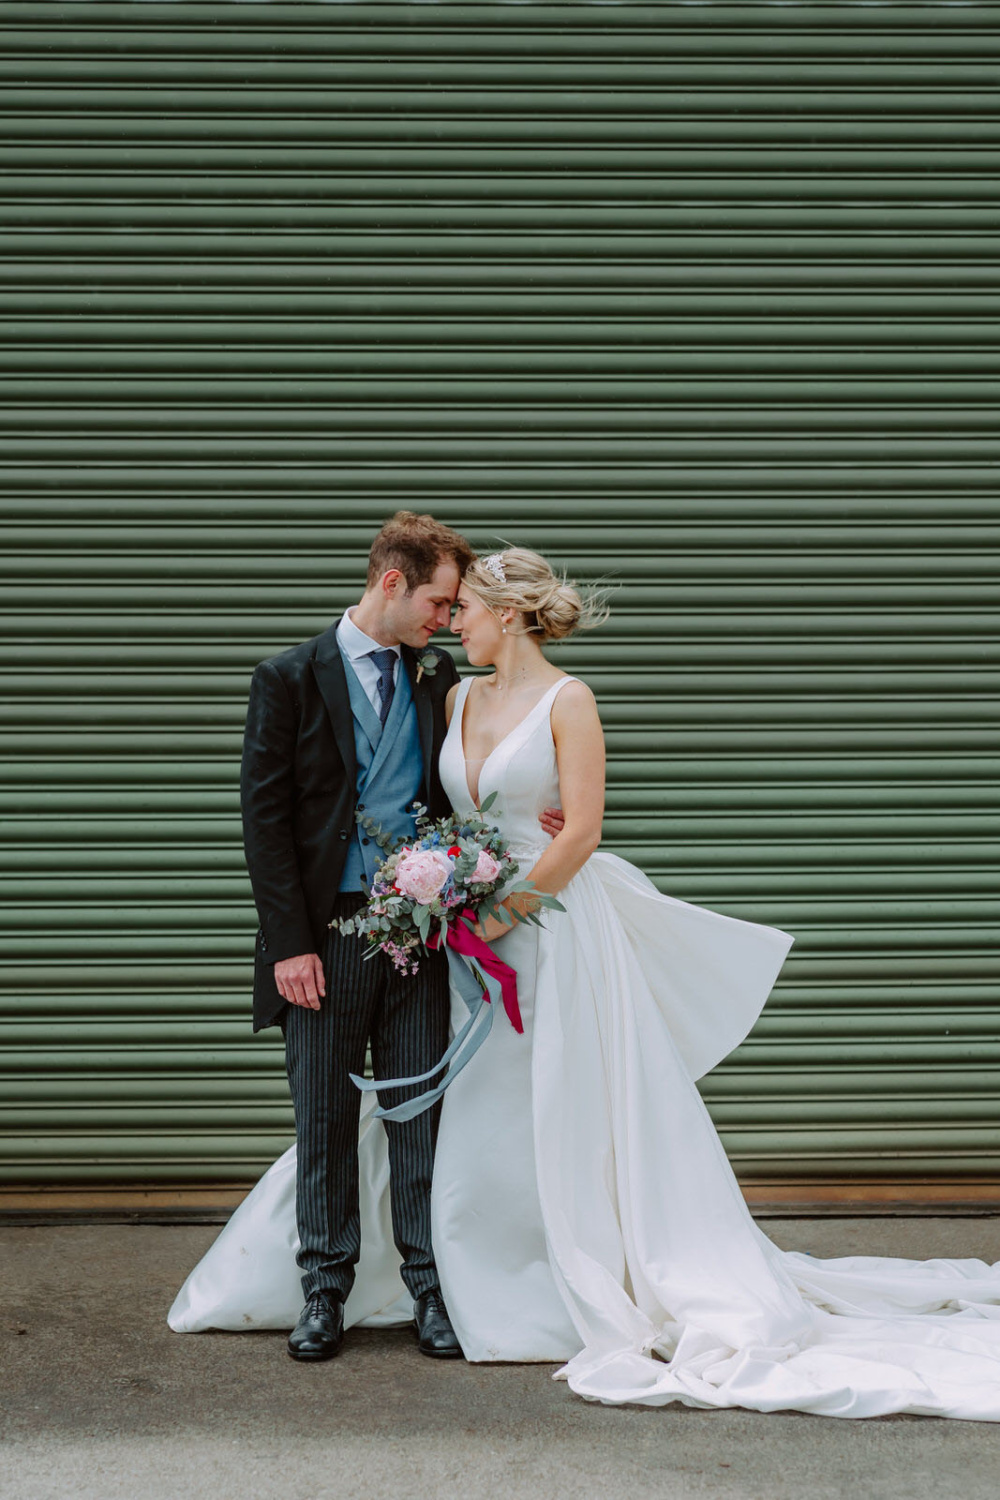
(405, 1018)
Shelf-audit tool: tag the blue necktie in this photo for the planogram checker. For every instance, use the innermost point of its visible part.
(385, 661)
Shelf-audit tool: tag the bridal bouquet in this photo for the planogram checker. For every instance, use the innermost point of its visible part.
(428, 893)
(449, 873)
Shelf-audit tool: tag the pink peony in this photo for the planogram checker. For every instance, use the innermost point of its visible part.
(421, 874)
(487, 868)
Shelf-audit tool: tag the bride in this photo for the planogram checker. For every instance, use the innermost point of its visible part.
(584, 1211)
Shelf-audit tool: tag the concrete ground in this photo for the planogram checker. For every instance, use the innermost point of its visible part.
(99, 1401)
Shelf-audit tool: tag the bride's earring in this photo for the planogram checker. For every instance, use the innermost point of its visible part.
(503, 630)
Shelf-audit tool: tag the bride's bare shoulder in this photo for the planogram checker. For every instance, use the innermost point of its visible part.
(575, 705)
(575, 691)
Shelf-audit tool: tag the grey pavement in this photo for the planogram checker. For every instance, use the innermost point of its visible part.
(99, 1400)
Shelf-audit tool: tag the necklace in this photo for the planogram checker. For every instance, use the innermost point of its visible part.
(515, 679)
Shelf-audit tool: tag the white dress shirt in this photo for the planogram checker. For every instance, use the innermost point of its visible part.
(357, 647)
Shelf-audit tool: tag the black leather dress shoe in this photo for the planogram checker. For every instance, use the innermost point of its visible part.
(435, 1334)
(319, 1332)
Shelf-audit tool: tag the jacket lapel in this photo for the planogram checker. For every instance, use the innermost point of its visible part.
(331, 678)
(425, 715)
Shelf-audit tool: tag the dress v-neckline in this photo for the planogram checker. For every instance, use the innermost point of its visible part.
(500, 742)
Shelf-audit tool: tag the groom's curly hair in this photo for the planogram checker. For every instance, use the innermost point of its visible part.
(416, 545)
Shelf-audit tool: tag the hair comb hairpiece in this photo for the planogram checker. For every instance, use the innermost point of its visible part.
(494, 564)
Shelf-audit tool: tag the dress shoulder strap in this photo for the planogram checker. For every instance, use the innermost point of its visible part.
(458, 708)
(556, 689)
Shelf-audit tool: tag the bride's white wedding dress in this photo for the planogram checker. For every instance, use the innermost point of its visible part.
(584, 1209)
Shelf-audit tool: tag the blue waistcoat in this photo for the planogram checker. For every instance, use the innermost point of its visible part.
(390, 772)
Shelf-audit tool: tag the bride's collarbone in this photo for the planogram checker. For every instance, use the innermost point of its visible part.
(491, 717)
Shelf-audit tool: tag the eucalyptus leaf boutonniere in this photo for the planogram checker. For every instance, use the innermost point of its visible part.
(428, 663)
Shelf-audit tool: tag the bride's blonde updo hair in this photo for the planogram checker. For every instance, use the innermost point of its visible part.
(551, 606)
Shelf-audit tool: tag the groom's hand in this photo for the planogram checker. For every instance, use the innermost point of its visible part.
(300, 980)
(552, 820)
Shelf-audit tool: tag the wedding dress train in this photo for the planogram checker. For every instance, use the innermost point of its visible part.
(584, 1210)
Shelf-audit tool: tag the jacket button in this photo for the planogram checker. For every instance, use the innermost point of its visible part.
(343, 833)
(361, 807)
(366, 841)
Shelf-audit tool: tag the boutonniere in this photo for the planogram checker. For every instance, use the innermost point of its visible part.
(427, 663)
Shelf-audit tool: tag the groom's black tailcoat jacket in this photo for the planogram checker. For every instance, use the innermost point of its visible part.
(298, 793)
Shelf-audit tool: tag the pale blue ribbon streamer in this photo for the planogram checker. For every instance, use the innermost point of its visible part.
(461, 976)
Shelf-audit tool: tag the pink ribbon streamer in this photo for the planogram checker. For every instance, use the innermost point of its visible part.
(464, 941)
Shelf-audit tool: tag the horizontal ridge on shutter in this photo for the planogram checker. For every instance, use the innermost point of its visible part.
(702, 301)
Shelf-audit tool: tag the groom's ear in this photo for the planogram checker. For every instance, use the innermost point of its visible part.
(391, 582)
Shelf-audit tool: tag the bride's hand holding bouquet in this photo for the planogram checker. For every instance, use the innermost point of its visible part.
(519, 905)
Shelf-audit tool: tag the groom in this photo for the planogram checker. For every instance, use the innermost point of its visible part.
(352, 721)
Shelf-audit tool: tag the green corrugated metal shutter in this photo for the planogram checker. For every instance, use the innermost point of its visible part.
(703, 296)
